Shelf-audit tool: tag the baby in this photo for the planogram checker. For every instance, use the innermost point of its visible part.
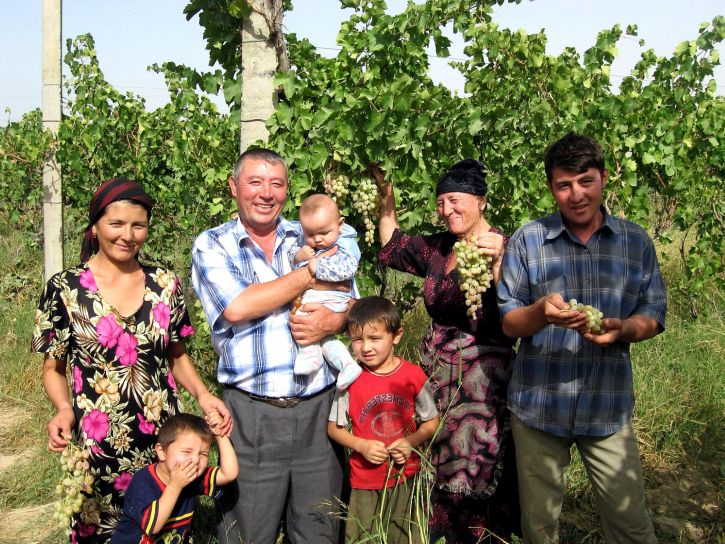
(328, 247)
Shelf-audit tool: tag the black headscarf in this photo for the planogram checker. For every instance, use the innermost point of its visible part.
(113, 190)
(466, 176)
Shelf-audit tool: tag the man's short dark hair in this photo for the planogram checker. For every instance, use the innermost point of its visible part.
(260, 154)
(574, 153)
(184, 423)
(373, 310)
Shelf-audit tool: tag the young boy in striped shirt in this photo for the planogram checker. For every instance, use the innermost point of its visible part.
(160, 500)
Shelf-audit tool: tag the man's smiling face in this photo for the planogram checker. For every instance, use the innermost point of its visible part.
(260, 192)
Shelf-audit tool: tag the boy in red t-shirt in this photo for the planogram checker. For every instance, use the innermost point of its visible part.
(382, 406)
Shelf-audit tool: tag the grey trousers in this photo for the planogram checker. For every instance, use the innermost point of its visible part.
(287, 468)
(615, 473)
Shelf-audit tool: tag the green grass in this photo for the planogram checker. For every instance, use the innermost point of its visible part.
(679, 387)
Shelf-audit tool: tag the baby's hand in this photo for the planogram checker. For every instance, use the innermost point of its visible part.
(305, 253)
(183, 473)
(400, 450)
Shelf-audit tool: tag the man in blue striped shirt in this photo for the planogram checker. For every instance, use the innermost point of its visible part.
(241, 272)
(570, 386)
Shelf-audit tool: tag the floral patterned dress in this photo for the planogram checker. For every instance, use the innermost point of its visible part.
(122, 386)
(468, 362)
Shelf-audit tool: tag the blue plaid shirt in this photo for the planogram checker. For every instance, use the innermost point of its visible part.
(256, 356)
(562, 384)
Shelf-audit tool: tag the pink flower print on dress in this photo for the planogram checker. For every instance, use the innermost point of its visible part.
(86, 529)
(73, 538)
(88, 281)
(108, 331)
(172, 381)
(121, 482)
(126, 349)
(95, 425)
(162, 314)
(77, 379)
(187, 330)
(146, 427)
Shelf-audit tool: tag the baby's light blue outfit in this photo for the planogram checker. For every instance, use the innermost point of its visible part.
(336, 268)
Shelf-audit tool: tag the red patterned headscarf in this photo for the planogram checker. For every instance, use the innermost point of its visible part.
(113, 190)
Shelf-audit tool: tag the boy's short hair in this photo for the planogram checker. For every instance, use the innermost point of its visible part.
(184, 423)
(373, 309)
(316, 202)
(574, 153)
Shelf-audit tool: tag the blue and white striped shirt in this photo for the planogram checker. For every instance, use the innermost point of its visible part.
(562, 384)
(256, 356)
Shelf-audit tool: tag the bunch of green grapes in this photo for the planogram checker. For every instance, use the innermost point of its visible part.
(474, 273)
(336, 186)
(365, 201)
(594, 316)
(77, 479)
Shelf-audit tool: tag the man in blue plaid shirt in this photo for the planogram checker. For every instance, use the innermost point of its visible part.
(570, 386)
(241, 272)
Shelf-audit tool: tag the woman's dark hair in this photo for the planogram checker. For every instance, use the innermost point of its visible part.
(574, 153)
(113, 190)
(466, 176)
(184, 423)
(373, 310)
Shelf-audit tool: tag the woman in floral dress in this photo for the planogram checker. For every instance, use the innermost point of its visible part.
(468, 361)
(121, 326)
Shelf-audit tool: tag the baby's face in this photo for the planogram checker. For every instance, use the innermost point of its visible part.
(321, 228)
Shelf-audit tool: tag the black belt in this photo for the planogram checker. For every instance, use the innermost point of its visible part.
(280, 402)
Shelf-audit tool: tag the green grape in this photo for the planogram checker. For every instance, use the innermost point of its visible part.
(76, 482)
(594, 316)
(474, 274)
(365, 202)
(337, 187)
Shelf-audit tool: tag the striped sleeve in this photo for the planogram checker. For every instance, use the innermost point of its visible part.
(149, 517)
(217, 278)
(207, 482)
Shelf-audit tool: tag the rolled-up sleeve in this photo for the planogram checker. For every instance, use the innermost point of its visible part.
(217, 279)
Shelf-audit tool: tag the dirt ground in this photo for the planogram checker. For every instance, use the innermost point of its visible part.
(30, 525)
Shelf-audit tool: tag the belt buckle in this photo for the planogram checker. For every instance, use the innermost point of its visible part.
(285, 402)
(281, 402)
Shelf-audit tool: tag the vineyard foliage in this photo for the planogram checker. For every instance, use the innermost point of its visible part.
(374, 102)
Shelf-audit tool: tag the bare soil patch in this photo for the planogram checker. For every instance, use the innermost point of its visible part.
(33, 524)
(30, 525)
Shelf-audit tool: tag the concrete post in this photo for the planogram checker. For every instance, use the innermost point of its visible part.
(259, 64)
(52, 185)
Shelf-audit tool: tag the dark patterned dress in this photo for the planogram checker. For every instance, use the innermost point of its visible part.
(469, 365)
(122, 386)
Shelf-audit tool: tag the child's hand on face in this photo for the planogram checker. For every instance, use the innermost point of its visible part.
(374, 451)
(183, 473)
(400, 450)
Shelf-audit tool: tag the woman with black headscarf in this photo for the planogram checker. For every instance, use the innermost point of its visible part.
(468, 360)
(121, 325)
